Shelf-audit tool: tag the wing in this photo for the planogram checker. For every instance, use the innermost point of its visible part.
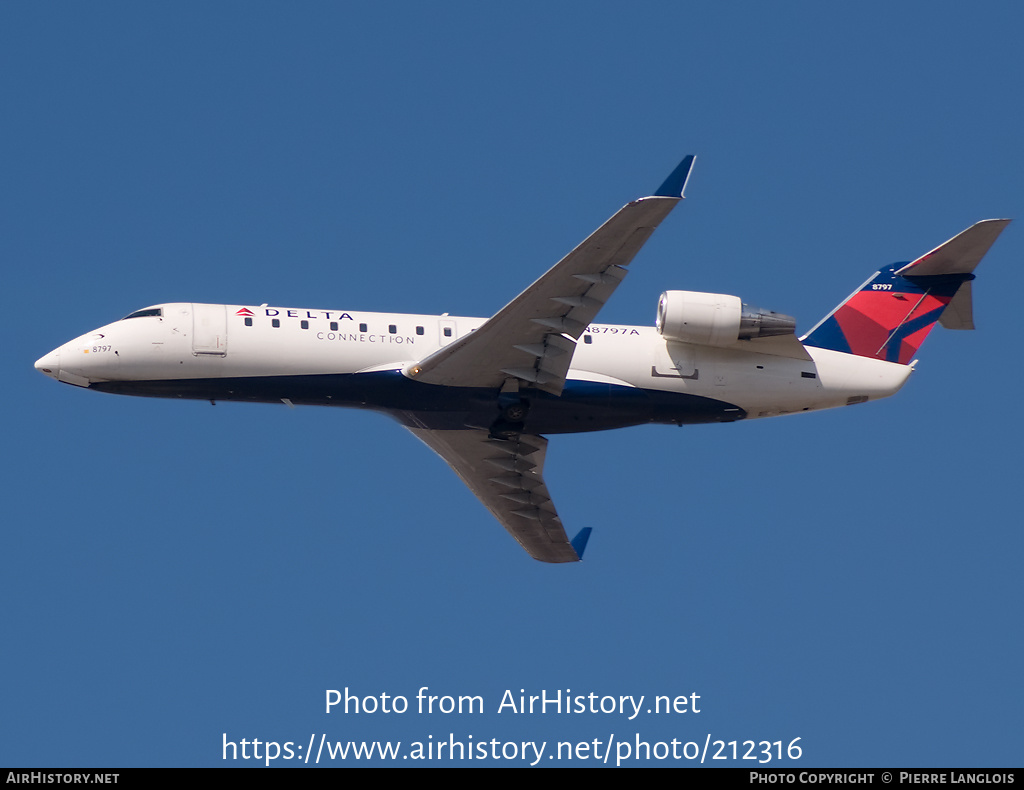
(533, 337)
(506, 475)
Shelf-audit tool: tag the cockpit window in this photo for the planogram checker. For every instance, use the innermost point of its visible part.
(145, 313)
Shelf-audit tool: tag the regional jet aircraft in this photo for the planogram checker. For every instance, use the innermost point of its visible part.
(483, 393)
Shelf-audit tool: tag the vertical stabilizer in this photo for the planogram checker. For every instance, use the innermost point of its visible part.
(892, 313)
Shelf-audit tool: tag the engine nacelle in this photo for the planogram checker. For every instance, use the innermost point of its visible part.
(716, 319)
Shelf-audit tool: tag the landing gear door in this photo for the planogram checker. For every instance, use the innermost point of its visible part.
(209, 329)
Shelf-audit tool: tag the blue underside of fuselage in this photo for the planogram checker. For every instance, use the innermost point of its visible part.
(582, 406)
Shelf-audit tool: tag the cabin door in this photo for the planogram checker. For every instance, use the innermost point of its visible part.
(209, 329)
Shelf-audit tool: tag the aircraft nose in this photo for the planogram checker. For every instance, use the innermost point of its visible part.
(50, 364)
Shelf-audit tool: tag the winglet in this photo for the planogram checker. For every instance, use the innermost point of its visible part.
(579, 543)
(675, 184)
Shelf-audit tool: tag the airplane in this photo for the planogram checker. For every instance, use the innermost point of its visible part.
(484, 393)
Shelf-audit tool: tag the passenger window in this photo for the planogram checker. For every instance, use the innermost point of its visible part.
(275, 322)
(419, 330)
(362, 327)
(248, 322)
(334, 326)
(588, 339)
(304, 324)
(392, 328)
(447, 331)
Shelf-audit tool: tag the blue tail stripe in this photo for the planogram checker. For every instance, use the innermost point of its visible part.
(892, 351)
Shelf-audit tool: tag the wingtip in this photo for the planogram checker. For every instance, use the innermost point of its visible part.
(675, 185)
(1001, 222)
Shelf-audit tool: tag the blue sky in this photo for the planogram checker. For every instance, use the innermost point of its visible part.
(175, 572)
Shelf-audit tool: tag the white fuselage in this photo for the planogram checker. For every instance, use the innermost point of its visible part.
(348, 358)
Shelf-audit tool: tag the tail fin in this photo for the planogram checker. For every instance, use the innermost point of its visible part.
(892, 313)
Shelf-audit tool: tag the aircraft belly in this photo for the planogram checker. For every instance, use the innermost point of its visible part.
(594, 406)
(583, 405)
